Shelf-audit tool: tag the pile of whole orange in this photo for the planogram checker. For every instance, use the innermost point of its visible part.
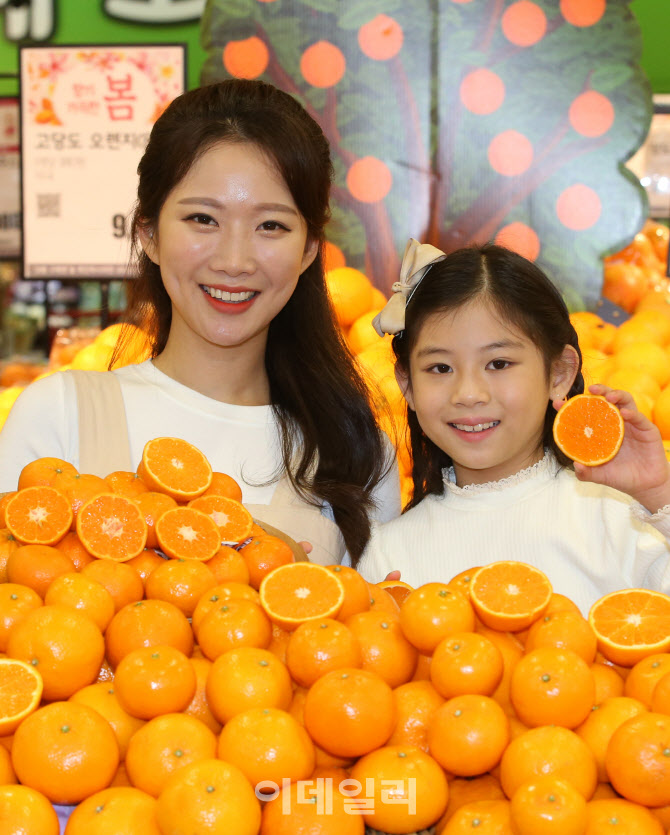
(356, 302)
(230, 689)
(638, 268)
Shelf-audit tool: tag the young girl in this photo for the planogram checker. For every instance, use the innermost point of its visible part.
(485, 355)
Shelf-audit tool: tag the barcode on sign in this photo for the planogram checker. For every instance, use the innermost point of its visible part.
(48, 205)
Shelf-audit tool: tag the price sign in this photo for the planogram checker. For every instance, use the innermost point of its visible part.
(10, 197)
(86, 115)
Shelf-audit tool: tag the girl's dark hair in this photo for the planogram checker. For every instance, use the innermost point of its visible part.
(332, 448)
(522, 295)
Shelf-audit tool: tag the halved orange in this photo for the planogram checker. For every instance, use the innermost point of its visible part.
(397, 589)
(187, 533)
(175, 467)
(231, 517)
(299, 592)
(631, 624)
(38, 515)
(20, 690)
(589, 429)
(112, 527)
(509, 595)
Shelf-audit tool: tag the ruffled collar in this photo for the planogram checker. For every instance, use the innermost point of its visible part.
(546, 465)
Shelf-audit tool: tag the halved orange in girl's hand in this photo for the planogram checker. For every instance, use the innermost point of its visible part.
(589, 429)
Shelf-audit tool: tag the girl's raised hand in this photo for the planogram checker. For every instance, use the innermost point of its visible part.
(640, 467)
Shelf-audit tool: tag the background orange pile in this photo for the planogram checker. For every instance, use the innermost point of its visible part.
(634, 356)
(170, 688)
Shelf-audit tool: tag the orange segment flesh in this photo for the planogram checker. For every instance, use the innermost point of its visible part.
(112, 527)
(589, 429)
(187, 533)
(231, 517)
(20, 693)
(631, 624)
(38, 515)
(509, 595)
(175, 467)
(298, 592)
(397, 589)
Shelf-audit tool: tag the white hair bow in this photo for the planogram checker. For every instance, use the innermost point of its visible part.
(416, 261)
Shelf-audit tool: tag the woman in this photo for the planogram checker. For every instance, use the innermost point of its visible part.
(247, 361)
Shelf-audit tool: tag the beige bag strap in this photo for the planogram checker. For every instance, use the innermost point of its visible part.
(104, 446)
(301, 521)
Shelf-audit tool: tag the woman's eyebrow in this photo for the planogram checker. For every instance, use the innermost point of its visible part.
(210, 201)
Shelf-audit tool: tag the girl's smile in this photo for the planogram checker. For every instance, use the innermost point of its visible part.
(480, 391)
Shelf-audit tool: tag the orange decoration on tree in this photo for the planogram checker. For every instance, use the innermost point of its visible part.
(380, 38)
(369, 179)
(322, 64)
(524, 23)
(246, 58)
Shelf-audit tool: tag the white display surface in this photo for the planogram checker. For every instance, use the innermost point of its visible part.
(86, 114)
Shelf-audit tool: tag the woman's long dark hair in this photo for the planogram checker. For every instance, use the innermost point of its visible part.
(332, 448)
(522, 295)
